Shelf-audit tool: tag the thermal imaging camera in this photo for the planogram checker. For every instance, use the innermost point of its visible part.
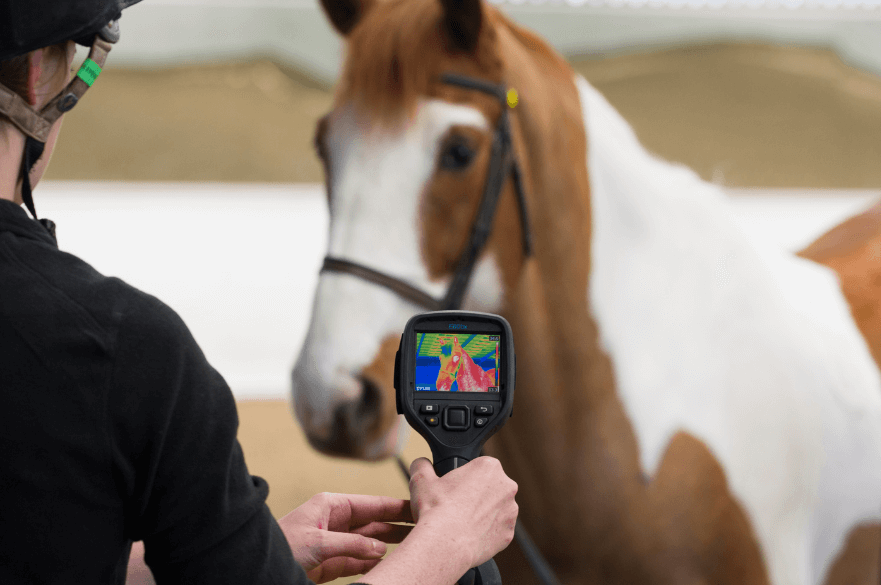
(454, 377)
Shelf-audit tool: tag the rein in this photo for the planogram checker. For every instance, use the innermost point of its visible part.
(536, 560)
(502, 163)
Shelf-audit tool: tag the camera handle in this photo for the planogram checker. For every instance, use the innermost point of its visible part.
(488, 572)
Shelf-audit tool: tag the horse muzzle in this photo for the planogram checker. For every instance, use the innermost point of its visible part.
(347, 414)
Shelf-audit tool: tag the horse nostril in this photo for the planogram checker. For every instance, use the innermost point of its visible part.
(354, 423)
(369, 407)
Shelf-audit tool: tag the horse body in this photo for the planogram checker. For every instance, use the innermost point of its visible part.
(457, 366)
(690, 408)
(752, 351)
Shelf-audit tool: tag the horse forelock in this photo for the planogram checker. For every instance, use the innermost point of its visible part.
(397, 53)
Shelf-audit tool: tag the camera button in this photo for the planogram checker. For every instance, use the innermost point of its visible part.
(456, 418)
(428, 409)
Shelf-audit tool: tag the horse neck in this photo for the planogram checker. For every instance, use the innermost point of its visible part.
(549, 299)
(603, 210)
(588, 176)
(566, 405)
(586, 173)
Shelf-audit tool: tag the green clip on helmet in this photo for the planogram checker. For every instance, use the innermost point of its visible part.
(27, 25)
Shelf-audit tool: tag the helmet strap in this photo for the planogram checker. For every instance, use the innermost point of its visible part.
(36, 125)
(33, 150)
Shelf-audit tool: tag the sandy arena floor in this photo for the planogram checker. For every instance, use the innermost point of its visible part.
(276, 449)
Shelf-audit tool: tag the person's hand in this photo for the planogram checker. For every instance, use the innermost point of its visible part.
(472, 505)
(339, 535)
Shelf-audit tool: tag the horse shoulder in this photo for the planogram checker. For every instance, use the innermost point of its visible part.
(853, 250)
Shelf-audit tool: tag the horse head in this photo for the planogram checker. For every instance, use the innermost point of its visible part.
(451, 361)
(406, 158)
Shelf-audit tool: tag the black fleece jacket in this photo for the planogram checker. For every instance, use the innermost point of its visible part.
(114, 428)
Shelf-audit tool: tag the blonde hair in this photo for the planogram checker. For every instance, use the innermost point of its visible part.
(14, 71)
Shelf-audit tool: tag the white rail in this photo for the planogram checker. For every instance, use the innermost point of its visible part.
(240, 262)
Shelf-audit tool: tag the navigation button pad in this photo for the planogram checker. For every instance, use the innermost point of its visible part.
(457, 418)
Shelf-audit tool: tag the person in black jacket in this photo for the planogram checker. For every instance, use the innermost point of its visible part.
(113, 426)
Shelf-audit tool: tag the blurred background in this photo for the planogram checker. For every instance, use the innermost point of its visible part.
(188, 170)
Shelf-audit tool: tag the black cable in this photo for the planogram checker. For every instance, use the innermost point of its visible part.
(404, 469)
(536, 560)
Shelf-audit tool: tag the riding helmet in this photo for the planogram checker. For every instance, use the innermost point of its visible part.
(27, 25)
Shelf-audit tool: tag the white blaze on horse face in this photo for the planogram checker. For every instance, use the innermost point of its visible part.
(377, 181)
(751, 350)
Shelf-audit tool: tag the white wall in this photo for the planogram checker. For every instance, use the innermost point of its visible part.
(240, 262)
(167, 32)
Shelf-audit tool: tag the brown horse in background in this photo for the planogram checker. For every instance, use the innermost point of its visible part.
(691, 407)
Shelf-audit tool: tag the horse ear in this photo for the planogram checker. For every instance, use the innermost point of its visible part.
(463, 19)
(345, 14)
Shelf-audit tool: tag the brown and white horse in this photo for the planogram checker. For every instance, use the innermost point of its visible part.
(691, 407)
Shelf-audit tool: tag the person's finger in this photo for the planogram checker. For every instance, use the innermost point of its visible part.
(388, 533)
(366, 509)
(339, 567)
(420, 468)
(343, 544)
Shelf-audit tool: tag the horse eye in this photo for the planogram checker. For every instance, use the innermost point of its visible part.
(457, 156)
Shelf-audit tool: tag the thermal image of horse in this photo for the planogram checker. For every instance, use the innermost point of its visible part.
(457, 366)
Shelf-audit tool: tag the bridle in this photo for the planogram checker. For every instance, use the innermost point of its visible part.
(502, 162)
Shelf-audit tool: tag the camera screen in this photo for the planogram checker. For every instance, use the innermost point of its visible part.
(457, 362)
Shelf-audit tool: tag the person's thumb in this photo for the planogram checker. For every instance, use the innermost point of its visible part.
(421, 474)
(421, 470)
(346, 544)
